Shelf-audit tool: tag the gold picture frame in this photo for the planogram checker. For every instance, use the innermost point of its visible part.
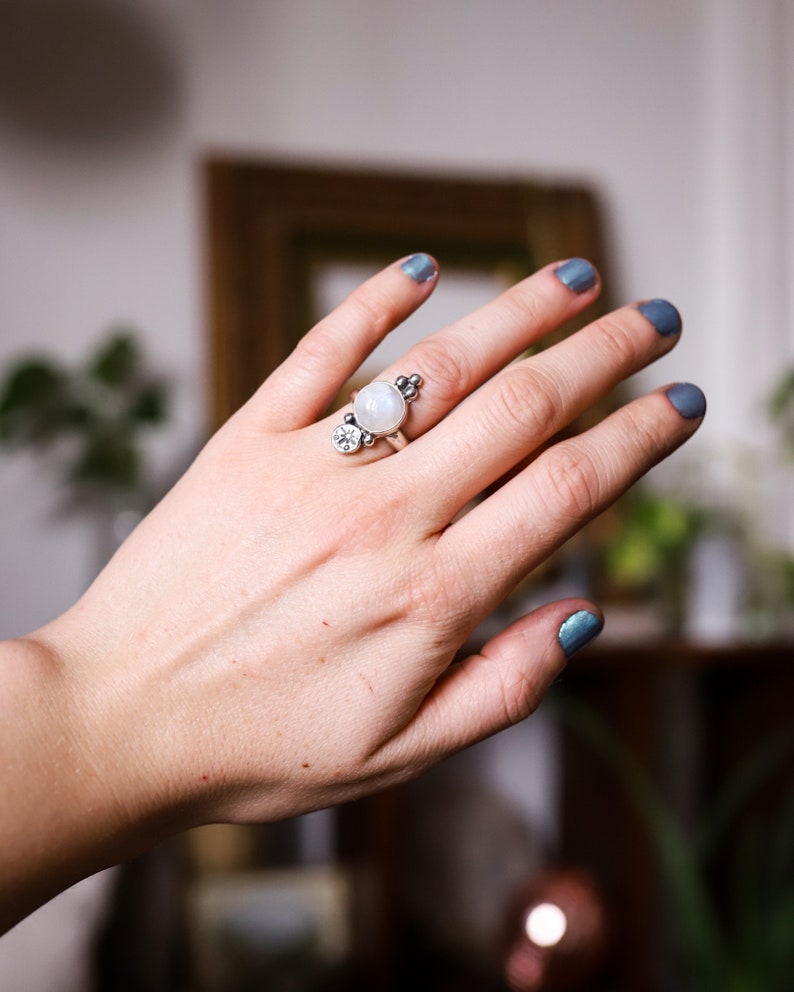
(271, 225)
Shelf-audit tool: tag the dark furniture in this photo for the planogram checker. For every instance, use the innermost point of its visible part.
(690, 716)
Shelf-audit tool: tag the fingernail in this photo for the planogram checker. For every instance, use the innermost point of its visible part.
(663, 315)
(688, 400)
(420, 267)
(579, 629)
(577, 274)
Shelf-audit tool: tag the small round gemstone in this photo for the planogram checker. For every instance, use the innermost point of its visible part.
(379, 408)
(346, 438)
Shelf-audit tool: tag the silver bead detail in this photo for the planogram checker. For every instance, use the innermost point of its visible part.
(378, 411)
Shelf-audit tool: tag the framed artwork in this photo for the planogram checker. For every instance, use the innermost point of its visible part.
(282, 238)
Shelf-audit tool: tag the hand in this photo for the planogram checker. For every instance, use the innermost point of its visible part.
(278, 634)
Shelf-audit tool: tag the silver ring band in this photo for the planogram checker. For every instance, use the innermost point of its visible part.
(379, 410)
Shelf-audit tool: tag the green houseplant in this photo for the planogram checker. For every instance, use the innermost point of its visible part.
(88, 420)
(747, 945)
(780, 407)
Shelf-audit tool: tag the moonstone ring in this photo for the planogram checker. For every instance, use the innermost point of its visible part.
(379, 410)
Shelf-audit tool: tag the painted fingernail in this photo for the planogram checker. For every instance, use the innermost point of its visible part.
(688, 400)
(577, 274)
(579, 629)
(420, 267)
(663, 315)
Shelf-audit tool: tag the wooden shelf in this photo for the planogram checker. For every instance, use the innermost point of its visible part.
(680, 654)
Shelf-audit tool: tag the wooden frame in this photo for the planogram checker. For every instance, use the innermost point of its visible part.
(270, 224)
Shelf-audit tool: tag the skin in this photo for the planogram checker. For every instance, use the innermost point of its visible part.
(277, 635)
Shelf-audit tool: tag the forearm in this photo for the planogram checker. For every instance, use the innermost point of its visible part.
(71, 802)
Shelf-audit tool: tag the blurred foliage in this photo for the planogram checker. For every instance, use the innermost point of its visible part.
(91, 417)
(745, 946)
(780, 407)
(650, 541)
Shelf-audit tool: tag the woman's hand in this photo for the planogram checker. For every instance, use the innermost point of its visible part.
(278, 634)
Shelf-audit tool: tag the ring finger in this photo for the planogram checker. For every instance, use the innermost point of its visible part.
(458, 359)
(528, 403)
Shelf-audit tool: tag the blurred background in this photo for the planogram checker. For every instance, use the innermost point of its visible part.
(677, 118)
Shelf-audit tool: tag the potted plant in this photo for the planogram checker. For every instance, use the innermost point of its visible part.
(89, 421)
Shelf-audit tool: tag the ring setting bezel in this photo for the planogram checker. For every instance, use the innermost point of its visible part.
(379, 410)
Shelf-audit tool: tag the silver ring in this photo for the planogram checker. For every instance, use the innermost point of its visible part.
(379, 410)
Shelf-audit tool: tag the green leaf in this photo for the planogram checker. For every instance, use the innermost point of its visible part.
(751, 773)
(634, 560)
(31, 400)
(149, 405)
(782, 856)
(782, 397)
(29, 385)
(672, 523)
(788, 578)
(116, 361)
(699, 935)
(109, 460)
(749, 927)
(100, 408)
(781, 944)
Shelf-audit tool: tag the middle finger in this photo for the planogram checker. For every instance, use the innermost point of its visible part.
(528, 403)
(455, 361)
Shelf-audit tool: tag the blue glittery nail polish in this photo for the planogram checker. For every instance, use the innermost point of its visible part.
(663, 315)
(579, 629)
(420, 267)
(577, 274)
(688, 400)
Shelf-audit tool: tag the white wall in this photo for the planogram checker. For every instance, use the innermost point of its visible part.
(674, 112)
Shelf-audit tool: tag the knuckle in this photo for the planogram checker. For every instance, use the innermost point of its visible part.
(570, 485)
(519, 697)
(441, 606)
(644, 431)
(319, 351)
(622, 344)
(446, 368)
(372, 308)
(431, 604)
(373, 528)
(523, 304)
(527, 403)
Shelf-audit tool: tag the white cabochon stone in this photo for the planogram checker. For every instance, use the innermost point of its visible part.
(379, 408)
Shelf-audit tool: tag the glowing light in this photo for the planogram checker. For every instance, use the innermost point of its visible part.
(546, 924)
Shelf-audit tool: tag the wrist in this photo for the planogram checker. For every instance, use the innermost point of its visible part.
(80, 793)
(118, 719)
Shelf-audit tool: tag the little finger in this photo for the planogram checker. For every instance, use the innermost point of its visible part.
(496, 688)
(529, 403)
(500, 541)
